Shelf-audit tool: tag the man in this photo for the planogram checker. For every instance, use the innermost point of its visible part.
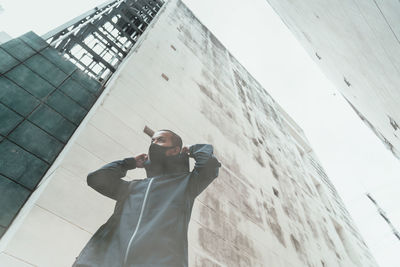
(151, 216)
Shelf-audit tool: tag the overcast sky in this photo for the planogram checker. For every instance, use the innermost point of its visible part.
(354, 158)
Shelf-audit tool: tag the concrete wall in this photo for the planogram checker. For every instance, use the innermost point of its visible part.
(356, 43)
(272, 204)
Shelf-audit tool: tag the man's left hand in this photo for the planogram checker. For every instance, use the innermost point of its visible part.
(185, 150)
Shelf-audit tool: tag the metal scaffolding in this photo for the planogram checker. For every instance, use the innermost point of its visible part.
(99, 40)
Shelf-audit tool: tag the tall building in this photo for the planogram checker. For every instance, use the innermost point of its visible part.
(356, 44)
(121, 71)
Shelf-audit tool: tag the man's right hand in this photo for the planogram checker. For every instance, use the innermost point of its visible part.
(140, 159)
(185, 150)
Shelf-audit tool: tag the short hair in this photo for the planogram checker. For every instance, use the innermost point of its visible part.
(176, 139)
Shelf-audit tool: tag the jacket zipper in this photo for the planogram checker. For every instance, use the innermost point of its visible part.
(137, 226)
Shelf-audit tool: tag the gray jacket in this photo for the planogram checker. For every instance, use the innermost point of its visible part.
(150, 220)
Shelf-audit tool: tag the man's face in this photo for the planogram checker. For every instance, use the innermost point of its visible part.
(164, 138)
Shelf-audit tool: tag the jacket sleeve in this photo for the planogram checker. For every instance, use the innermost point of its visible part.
(206, 167)
(107, 180)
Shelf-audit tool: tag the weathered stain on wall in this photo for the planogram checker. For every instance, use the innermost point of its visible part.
(356, 45)
(246, 115)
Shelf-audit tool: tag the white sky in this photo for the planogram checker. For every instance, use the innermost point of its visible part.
(354, 158)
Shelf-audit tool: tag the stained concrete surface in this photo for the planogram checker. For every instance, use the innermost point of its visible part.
(272, 204)
(356, 44)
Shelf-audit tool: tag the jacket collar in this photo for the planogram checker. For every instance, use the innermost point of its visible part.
(172, 164)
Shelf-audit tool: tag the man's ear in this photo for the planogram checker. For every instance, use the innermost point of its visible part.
(177, 150)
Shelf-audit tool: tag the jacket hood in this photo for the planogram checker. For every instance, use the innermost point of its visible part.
(171, 164)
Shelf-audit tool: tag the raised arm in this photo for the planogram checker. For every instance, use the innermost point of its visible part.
(107, 180)
(206, 167)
